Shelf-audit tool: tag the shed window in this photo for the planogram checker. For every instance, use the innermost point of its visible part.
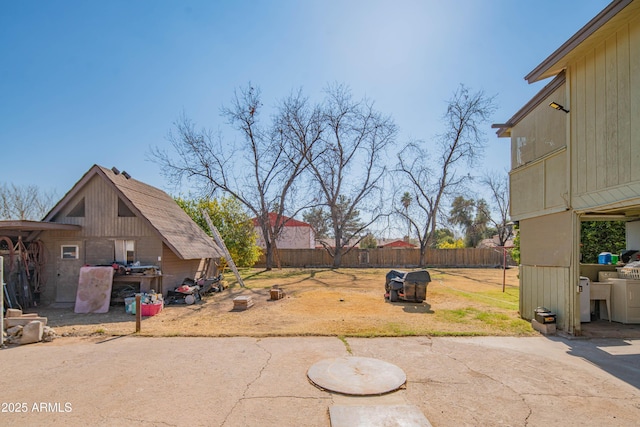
(123, 209)
(69, 252)
(78, 210)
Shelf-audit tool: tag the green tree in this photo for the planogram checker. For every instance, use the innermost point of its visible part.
(515, 252)
(233, 223)
(368, 242)
(443, 237)
(319, 221)
(471, 216)
(601, 236)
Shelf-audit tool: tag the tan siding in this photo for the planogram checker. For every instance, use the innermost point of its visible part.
(589, 120)
(539, 179)
(555, 181)
(174, 270)
(580, 160)
(540, 188)
(600, 133)
(541, 132)
(527, 190)
(611, 112)
(148, 250)
(624, 103)
(634, 100)
(544, 287)
(547, 240)
(605, 87)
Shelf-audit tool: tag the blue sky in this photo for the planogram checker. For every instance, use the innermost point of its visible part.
(101, 82)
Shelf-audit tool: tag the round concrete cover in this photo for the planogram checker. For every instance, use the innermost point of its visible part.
(356, 375)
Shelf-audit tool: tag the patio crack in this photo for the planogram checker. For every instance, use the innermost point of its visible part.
(250, 383)
(514, 392)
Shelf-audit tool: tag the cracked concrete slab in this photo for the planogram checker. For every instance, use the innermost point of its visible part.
(244, 381)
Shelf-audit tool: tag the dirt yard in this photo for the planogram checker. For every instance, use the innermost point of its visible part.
(345, 302)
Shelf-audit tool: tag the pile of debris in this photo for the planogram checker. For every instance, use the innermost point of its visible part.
(26, 328)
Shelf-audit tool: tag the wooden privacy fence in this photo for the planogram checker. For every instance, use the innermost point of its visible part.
(392, 257)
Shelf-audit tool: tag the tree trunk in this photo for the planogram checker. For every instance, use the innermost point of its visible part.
(337, 257)
(423, 256)
(268, 256)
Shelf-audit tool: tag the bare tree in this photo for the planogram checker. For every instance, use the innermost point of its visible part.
(261, 172)
(432, 182)
(347, 166)
(25, 202)
(499, 216)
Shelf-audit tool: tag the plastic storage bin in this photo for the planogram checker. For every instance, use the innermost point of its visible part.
(151, 309)
(604, 258)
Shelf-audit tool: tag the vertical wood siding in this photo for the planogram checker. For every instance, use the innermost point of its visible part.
(538, 179)
(605, 109)
(175, 270)
(545, 287)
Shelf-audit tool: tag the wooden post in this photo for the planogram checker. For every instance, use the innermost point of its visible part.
(138, 313)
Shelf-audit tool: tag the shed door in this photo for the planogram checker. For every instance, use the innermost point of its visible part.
(69, 259)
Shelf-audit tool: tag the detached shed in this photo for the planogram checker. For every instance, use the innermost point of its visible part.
(118, 218)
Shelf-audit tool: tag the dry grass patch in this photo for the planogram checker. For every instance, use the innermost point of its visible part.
(344, 302)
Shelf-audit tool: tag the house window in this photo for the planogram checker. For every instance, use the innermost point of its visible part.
(69, 251)
(125, 251)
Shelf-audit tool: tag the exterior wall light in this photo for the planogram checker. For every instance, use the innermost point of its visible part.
(558, 107)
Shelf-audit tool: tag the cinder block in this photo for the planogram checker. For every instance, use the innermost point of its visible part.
(13, 312)
(544, 328)
(13, 321)
(15, 331)
(32, 332)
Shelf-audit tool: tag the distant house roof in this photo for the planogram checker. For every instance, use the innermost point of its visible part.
(288, 222)
(494, 242)
(398, 243)
(176, 229)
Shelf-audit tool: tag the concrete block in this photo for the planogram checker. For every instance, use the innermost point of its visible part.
(544, 328)
(15, 331)
(13, 312)
(13, 321)
(32, 332)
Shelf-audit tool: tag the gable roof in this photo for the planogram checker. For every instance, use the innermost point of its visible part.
(288, 222)
(176, 229)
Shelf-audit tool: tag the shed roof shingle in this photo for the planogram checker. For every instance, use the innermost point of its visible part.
(176, 229)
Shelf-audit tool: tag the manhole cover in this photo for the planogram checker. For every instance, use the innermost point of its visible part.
(356, 375)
